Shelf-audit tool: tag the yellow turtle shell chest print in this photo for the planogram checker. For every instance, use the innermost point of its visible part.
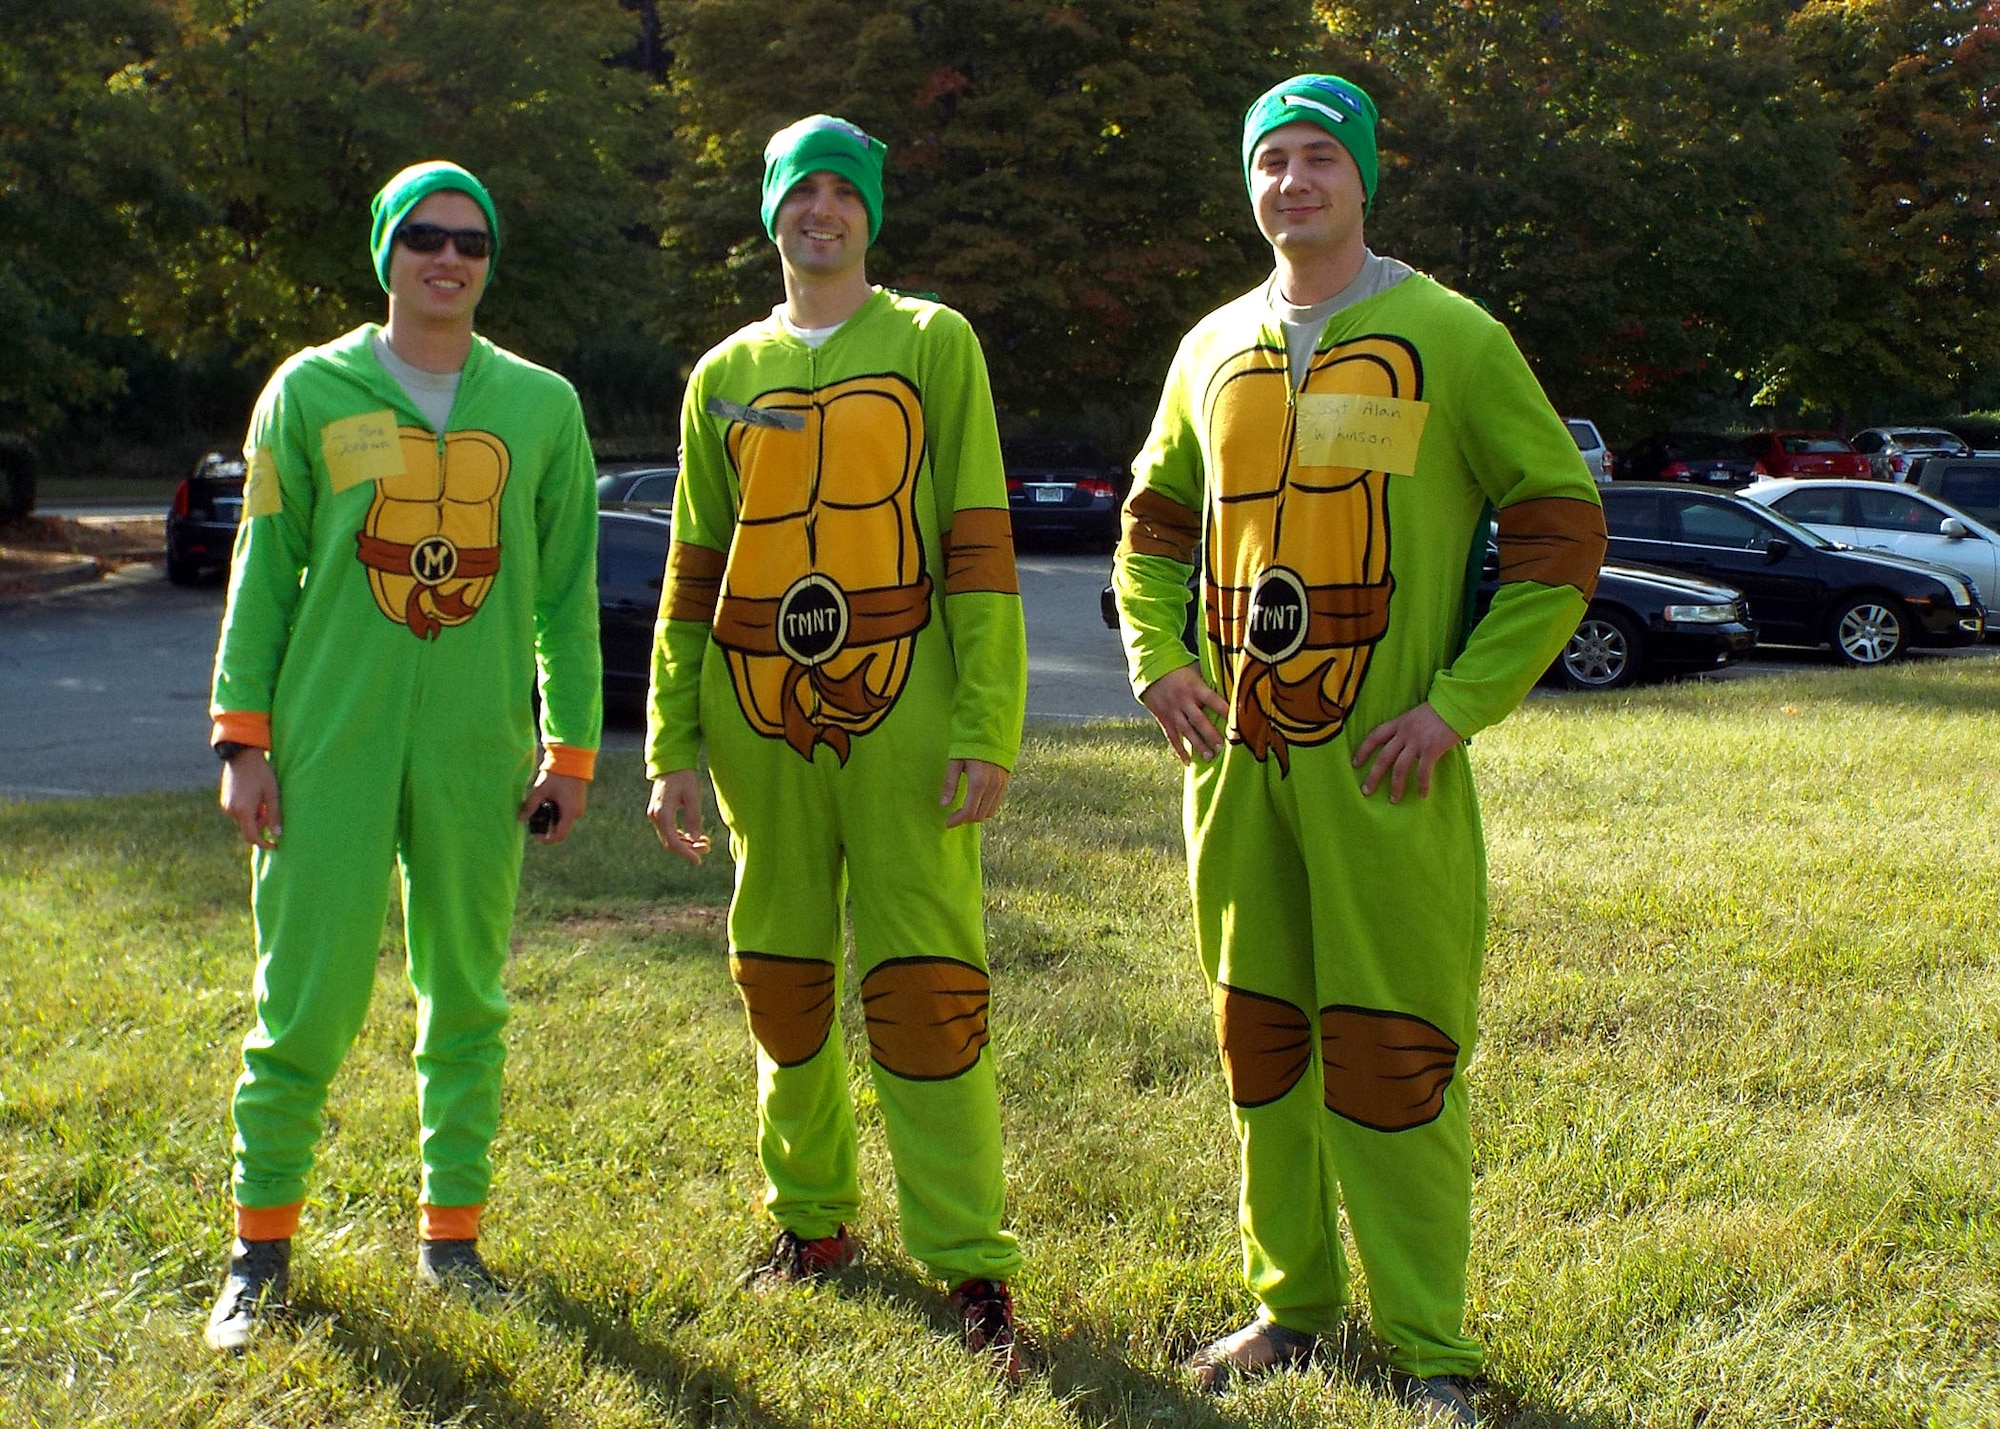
(1297, 578)
(826, 587)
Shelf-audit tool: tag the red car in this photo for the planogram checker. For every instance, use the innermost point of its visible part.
(1796, 454)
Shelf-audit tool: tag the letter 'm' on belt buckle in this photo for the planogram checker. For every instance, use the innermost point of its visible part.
(433, 560)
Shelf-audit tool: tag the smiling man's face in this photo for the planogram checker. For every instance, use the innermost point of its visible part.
(1306, 191)
(444, 286)
(822, 226)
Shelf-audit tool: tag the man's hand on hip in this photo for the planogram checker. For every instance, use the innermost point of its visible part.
(567, 792)
(675, 810)
(985, 786)
(1415, 739)
(249, 795)
(1182, 702)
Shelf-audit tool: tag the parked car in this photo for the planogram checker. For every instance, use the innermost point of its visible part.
(1869, 606)
(1801, 454)
(1879, 517)
(1641, 624)
(1972, 484)
(203, 517)
(1057, 486)
(1688, 456)
(637, 488)
(631, 567)
(1596, 455)
(1891, 451)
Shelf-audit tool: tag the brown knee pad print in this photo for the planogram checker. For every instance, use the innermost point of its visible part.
(1266, 1044)
(926, 1016)
(790, 1002)
(1386, 1070)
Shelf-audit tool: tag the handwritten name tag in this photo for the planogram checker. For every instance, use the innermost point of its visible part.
(1353, 429)
(361, 448)
(262, 495)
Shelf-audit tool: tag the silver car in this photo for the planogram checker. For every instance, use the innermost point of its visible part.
(1891, 451)
(1596, 455)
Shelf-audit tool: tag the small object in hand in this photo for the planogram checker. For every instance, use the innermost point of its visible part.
(545, 817)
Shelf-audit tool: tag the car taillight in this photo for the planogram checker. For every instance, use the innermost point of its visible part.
(1675, 471)
(1013, 486)
(180, 506)
(1757, 468)
(1097, 486)
(1898, 465)
(1610, 465)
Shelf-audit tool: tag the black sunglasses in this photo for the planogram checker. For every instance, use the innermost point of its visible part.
(429, 238)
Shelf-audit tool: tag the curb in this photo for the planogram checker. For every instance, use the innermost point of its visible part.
(78, 572)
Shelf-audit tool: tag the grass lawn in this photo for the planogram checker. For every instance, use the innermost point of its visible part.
(1736, 1109)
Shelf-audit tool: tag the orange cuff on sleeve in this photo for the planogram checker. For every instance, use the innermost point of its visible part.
(268, 1222)
(449, 1222)
(566, 760)
(240, 727)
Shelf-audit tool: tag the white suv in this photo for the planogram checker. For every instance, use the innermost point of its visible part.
(1596, 455)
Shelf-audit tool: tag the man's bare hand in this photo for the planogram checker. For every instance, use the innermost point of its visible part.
(249, 795)
(1182, 702)
(1415, 739)
(675, 810)
(985, 786)
(567, 792)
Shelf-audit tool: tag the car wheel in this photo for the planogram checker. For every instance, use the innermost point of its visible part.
(1606, 653)
(1869, 630)
(182, 572)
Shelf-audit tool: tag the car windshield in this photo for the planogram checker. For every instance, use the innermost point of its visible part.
(1585, 436)
(1942, 440)
(1802, 446)
(1701, 445)
(1050, 452)
(1793, 529)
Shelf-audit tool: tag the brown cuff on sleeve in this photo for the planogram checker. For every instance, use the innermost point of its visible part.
(694, 582)
(1155, 526)
(1552, 540)
(268, 1222)
(448, 1222)
(240, 727)
(979, 553)
(570, 761)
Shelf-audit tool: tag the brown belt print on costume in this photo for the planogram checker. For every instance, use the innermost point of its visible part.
(790, 1003)
(1297, 577)
(432, 538)
(1386, 1070)
(1266, 1044)
(926, 1016)
(825, 588)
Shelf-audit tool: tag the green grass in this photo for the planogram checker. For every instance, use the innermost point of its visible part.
(1736, 1108)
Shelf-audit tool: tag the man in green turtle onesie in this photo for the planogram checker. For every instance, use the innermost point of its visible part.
(1333, 444)
(841, 627)
(419, 543)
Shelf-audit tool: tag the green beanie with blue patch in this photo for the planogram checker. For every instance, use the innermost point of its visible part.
(1339, 106)
(820, 141)
(410, 188)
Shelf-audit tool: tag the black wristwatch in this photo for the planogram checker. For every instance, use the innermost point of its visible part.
(228, 749)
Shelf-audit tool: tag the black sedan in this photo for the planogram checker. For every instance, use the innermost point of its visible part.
(1702, 457)
(1868, 606)
(631, 568)
(202, 521)
(1641, 624)
(637, 487)
(1064, 488)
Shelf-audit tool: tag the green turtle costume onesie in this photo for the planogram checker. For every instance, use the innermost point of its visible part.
(841, 618)
(393, 590)
(1341, 524)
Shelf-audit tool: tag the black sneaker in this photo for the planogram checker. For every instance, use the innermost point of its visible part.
(986, 1310)
(794, 1260)
(259, 1273)
(454, 1267)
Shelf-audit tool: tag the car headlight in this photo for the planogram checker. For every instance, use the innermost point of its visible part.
(1701, 614)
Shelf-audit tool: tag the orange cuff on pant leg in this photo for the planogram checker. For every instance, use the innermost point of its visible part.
(449, 1222)
(268, 1222)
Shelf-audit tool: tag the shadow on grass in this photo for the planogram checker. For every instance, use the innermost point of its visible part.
(613, 1341)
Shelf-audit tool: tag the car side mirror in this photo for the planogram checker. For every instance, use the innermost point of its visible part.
(1776, 550)
(1952, 529)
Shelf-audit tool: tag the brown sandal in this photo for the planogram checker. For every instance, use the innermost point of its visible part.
(1258, 1348)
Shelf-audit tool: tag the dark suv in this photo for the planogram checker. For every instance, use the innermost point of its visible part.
(1868, 606)
(202, 522)
(1972, 484)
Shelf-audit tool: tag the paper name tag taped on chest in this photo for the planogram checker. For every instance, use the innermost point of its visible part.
(361, 448)
(756, 416)
(1355, 429)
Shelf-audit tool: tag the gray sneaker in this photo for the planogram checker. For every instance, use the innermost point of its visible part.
(1443, 1399)
(260, 1271)
(455, 1267)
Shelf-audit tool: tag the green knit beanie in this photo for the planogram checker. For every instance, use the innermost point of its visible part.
(1338, 106)
(410, 188)
(817, 142)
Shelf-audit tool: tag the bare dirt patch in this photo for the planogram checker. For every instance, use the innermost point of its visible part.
(32, 545)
